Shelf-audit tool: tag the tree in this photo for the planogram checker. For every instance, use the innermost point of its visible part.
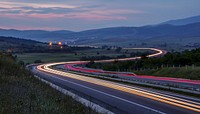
(21, 63)
(118, 49)
(144, 56)
(108, 48)
(37, 61)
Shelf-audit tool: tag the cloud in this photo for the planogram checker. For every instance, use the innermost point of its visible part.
(34, 5)
(52, 11)
(29, 28)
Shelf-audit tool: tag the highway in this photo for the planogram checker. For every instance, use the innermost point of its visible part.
(118, 98)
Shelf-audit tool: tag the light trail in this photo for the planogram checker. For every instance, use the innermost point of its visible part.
(159, 52)
(191, 105)
(70, 65)
(179, 102)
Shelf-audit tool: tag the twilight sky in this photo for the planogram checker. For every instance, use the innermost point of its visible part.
(79, 15)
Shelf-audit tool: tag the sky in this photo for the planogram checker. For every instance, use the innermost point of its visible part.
(78, 15)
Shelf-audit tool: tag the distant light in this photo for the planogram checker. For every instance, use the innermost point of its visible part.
(61, 47)
(50, 43)
(59, 43)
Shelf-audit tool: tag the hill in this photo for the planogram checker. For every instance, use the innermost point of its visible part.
(184, 21)
(144, 32)
(22, 93)
(18, 45)
(11, 44)
(110, 34)
(38, 35)
(174, 34)
(139, 36)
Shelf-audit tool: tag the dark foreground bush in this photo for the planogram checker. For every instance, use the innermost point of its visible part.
(21, 93)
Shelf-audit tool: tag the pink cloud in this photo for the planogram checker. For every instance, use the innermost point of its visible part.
(46, 16)
(29, 28)
(90, 16)
(96, 14)
(50, 5)
(116, 11)
(85, 16)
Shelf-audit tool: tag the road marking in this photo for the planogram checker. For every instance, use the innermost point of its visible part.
(117, 87)
(84, 101)
(154, 110)
(164, 98)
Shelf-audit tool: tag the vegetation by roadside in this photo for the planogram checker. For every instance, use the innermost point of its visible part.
(170, 65)
(176, 72)
(20, 92)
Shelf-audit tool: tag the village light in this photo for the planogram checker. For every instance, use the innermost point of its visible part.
(59, 43)
(50, 43)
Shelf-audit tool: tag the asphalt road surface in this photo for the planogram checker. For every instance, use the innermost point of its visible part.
(116, 97)
(119, 98)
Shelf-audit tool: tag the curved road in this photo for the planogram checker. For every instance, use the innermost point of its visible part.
(119, 98)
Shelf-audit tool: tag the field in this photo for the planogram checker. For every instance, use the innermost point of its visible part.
(166, 43)
(46, 57)
(60, 57)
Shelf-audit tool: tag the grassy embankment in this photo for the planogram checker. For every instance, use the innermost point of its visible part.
(187, 72)
(20, 92)
(184, 64)
(176, 72)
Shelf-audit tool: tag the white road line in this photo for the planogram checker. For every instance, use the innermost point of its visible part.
(157, 93)
(84, 101)
(56, 72)
(154, 110)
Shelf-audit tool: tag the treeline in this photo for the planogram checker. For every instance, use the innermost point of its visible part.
(101, 57)
(104, 57)
(175, 59)
(17, 45)
(92, 58)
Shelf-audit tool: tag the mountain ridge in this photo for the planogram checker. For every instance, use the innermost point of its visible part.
(184, 21)
(108, 34)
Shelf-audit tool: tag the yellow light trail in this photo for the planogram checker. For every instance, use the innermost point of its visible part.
(173, 101)
(187, 104)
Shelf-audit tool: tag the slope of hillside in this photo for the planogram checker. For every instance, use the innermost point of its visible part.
(39, 35)
(114, 35)
(21, 93)
(131, 33)
(137, 34)
(16, 44)
(184, 21)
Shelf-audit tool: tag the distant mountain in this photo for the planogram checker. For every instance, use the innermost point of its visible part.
(135, 34)
(143, 32)
(110, 35)
(184, 21)
(39, 35)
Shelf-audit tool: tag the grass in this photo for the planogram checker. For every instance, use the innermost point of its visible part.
(60, 57)
(20, 92)
(177, 44)
(47, 57)
(175, 72)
